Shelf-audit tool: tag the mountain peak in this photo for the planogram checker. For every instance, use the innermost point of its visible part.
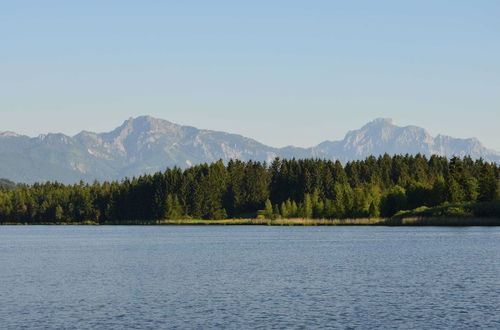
(9, 134)
(148, 122)
(145, 118)
(381, 121)
(144, 124)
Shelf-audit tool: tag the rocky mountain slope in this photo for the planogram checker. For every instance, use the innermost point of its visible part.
(146, 145)
(383, 136)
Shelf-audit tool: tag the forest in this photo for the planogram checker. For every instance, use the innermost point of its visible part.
(307, 188)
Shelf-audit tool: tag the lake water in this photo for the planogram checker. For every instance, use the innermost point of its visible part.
(249, 277)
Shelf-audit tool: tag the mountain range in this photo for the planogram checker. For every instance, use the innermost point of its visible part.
(146, 145)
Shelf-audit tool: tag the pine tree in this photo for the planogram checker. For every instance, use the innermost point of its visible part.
(471, 189)
(284, 210)
(373, 211)
(268, 210)
(58, 213)
(438, 193)
(455, 192)
(294, 209)
(308, 207)
(276, 212)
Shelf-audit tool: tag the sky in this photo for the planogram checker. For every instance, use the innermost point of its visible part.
(282, 72)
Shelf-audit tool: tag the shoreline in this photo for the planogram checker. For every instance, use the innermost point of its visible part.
(390, 222)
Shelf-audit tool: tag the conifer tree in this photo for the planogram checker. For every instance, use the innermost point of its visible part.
(268, 210)
(284, 210)
(373, 211)
(307, 207)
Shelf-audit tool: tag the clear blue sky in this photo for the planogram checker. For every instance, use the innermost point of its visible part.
(283, 72)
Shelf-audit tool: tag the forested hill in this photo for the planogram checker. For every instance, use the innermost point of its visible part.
(7, 184)
(147, 145)
(310, 188)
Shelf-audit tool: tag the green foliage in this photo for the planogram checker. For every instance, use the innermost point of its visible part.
(373, 211)
(395, 200)
(268, 210)
(455, 191)
(308, 188)
(173, 208)
(480, 209)
(306, 207)
(438, 193)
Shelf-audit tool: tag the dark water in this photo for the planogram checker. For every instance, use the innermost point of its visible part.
(249, 277)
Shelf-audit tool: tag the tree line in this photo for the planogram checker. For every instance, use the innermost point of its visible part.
(306, 188)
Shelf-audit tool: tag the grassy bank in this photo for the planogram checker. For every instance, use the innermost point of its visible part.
(83, 223)
(277, 222)
(474, 214)
(448, 221)
(396, 221)
(225, 222)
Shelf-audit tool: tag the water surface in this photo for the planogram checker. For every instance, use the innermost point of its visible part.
(249, 277)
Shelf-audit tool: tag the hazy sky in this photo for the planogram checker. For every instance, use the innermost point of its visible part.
(282, 72)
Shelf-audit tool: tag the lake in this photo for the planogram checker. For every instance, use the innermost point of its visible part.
(240, 277)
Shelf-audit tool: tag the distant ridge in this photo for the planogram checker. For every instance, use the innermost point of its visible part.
(146, 145)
